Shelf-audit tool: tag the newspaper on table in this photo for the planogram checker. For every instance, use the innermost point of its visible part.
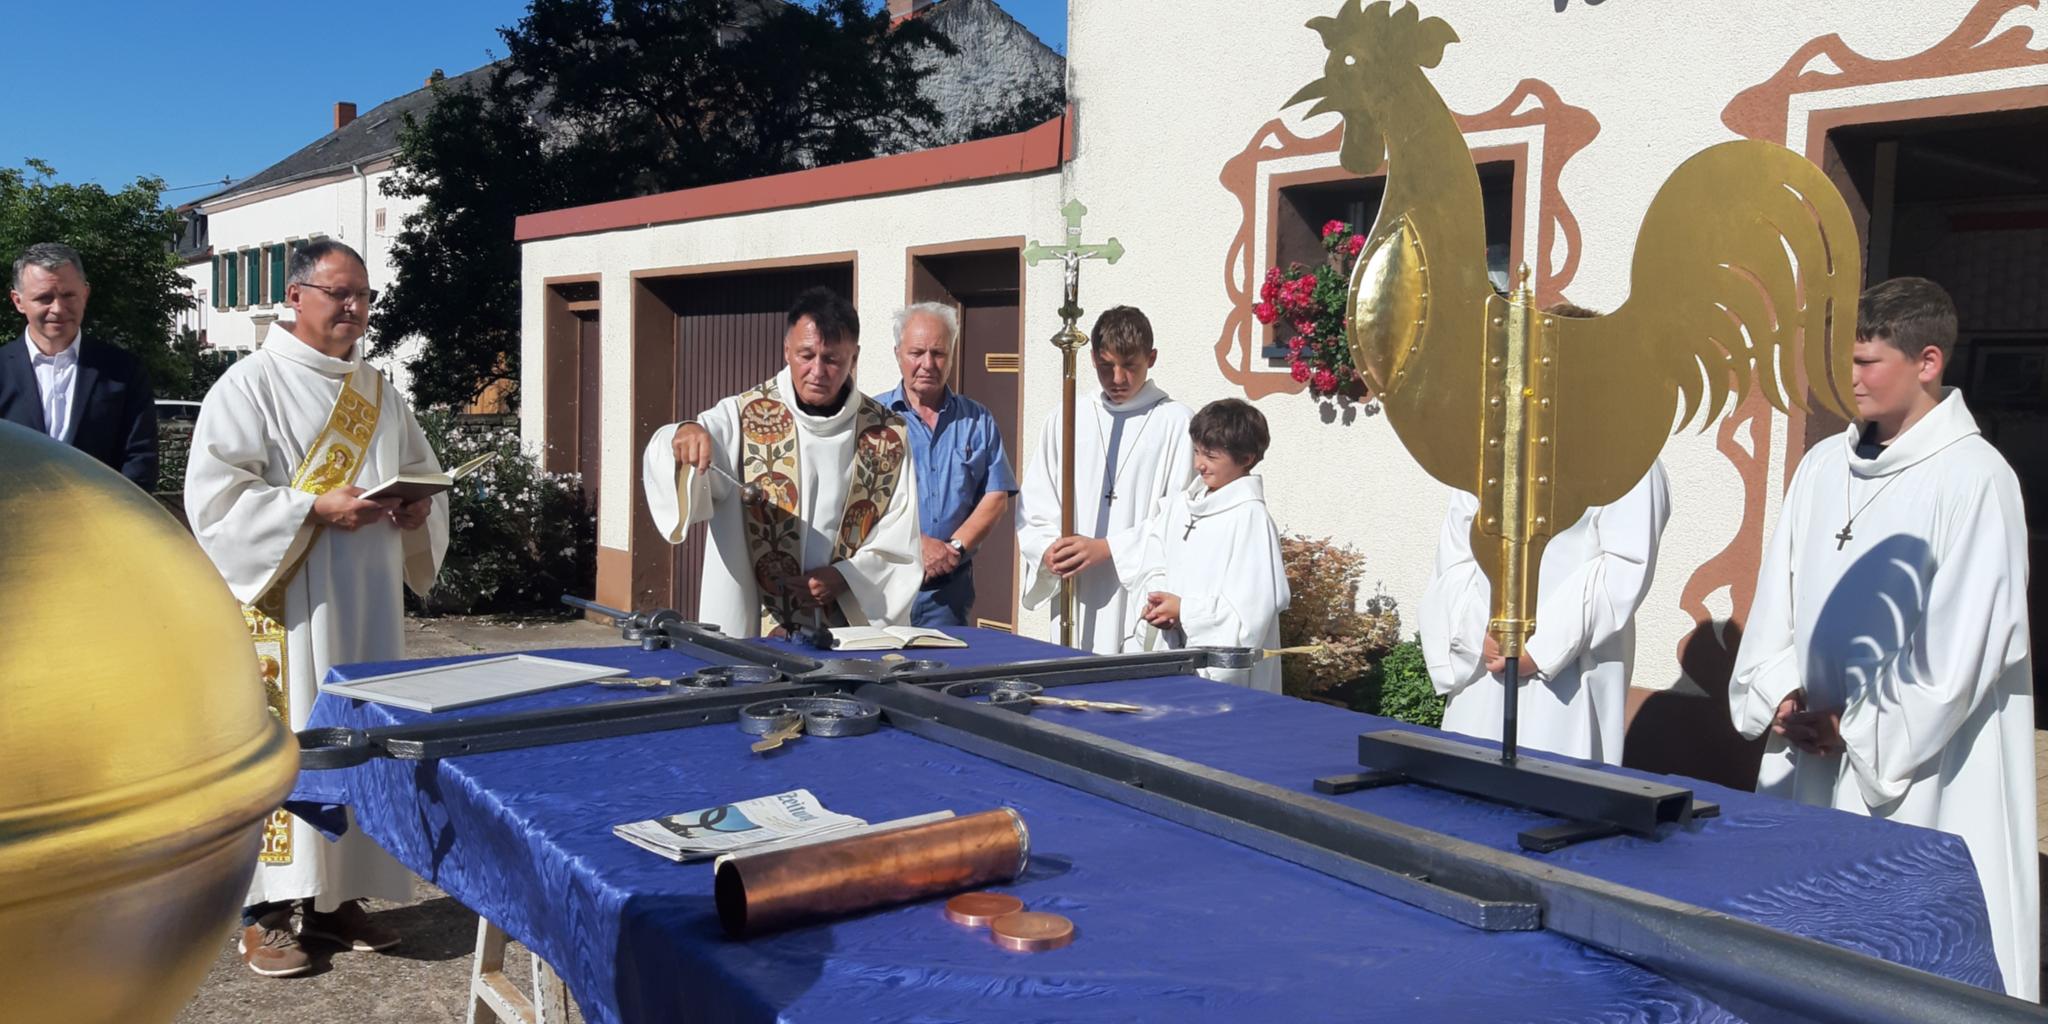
(707, 833)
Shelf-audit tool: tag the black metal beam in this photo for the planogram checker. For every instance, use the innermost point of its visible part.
(1757, 972)
(1631, 805)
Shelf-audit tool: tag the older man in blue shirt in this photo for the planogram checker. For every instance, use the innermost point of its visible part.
(964, 481)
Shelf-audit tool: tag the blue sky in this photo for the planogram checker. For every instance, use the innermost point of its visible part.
(224, 89)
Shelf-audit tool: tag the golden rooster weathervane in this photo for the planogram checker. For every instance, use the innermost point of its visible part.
(1747, 265)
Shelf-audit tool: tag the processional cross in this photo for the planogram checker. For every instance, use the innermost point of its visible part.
(1069, 340)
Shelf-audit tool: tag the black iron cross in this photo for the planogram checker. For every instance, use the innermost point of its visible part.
(1843, 537)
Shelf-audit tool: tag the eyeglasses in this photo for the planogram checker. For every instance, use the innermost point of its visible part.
(345, 296)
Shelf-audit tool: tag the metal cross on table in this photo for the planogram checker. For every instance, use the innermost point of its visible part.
(1072, 255)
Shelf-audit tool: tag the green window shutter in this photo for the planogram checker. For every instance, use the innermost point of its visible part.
(216, 284)
(233, 263)
(252, 277)
(277, 273)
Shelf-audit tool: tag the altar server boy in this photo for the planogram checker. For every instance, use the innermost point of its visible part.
(1211, 574)
(1886, 654)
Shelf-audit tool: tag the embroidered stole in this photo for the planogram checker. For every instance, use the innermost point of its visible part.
(775, 529)
(334, 460)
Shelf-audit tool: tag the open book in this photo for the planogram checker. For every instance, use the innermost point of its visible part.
(889, 638)
(411, 487)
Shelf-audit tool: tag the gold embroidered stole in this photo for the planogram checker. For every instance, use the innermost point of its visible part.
(768, 458)
(334, 460)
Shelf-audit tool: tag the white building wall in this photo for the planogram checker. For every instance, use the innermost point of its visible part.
(1167, 93)
(343, 209)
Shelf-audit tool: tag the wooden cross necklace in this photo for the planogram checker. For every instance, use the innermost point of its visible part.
(1193, 519)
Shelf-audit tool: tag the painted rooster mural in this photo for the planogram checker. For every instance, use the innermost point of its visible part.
(1746, 271)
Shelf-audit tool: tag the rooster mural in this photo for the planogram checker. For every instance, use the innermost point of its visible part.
(1746, 272)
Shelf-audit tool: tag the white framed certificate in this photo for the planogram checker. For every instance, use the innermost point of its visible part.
(445, 687)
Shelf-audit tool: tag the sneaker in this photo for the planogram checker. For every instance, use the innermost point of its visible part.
(270, 948)
(350, 926)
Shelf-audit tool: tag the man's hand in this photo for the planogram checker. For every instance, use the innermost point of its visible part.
(412, 515)
(1815, 732)
(1496, 664)
(1070, 556)
(939, 558)
(819, 586)
(344, 509)
(693, 446)
(1162, 610)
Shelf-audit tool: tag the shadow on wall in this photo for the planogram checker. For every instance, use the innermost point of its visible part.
(1676, 733)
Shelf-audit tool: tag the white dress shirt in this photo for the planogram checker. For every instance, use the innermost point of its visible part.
(57, 379)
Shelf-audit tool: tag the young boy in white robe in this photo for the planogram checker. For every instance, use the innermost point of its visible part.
(1130, 454)
(1886, 653)
(1210, 574)
(1572, 678)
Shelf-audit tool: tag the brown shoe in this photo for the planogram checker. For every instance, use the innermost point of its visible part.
(270, 948)
(350, 926)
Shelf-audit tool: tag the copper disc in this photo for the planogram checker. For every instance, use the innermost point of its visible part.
(1030, 932)
(976, 909)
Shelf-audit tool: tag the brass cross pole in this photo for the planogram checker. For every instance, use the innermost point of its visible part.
(1069, 340)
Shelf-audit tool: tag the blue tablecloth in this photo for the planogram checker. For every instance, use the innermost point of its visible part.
(1172, 924)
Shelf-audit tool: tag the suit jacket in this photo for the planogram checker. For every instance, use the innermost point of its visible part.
(113, 413)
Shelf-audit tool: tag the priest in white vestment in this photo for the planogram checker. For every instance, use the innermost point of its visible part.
(1211, 574)
(284, 445)
(1886, 652)
(833, 538)
(1574, 669)
(1131, 454)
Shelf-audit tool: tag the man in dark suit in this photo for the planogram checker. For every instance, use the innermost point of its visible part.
(91, 395)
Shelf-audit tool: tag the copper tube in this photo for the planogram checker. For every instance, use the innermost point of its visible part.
(771, 891)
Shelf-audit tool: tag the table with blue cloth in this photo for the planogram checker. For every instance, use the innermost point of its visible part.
(1171, 923)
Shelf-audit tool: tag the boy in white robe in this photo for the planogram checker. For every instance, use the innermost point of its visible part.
(1886, 652)
(324, 564)
(1573, 674)
(841, 545)
(1130, 454)
(1211, 573)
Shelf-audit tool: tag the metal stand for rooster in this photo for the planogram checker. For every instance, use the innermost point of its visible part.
(1746, 265)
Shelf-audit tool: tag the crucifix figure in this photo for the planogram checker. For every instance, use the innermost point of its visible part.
(1069, 340)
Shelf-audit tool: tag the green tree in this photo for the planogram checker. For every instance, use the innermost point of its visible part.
(125, 238)
(605, 99)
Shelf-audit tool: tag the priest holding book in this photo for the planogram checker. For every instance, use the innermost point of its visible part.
(287, 443)
(808, 488)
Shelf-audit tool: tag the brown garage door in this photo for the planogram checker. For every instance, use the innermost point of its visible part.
(729, 331)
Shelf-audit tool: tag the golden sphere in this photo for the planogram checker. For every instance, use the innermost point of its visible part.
(137, 753)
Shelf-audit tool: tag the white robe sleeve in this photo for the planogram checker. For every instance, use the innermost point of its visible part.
(1599, 598)
(1455, 605)
(1170, 477)
(678, 499)
(426, 546)
(883, 574)
(252, 529)
(1766, 669)
(1242, 612)
(1038, 515)
(1972, 630)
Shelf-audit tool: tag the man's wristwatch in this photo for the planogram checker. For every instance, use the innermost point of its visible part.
(954, 543)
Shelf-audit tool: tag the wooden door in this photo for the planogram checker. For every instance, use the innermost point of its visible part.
(983, 286)
(729, 330)
(589, 406)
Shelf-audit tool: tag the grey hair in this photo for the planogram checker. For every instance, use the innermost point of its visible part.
(308, 256)
(50, 256)
(947, 316)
